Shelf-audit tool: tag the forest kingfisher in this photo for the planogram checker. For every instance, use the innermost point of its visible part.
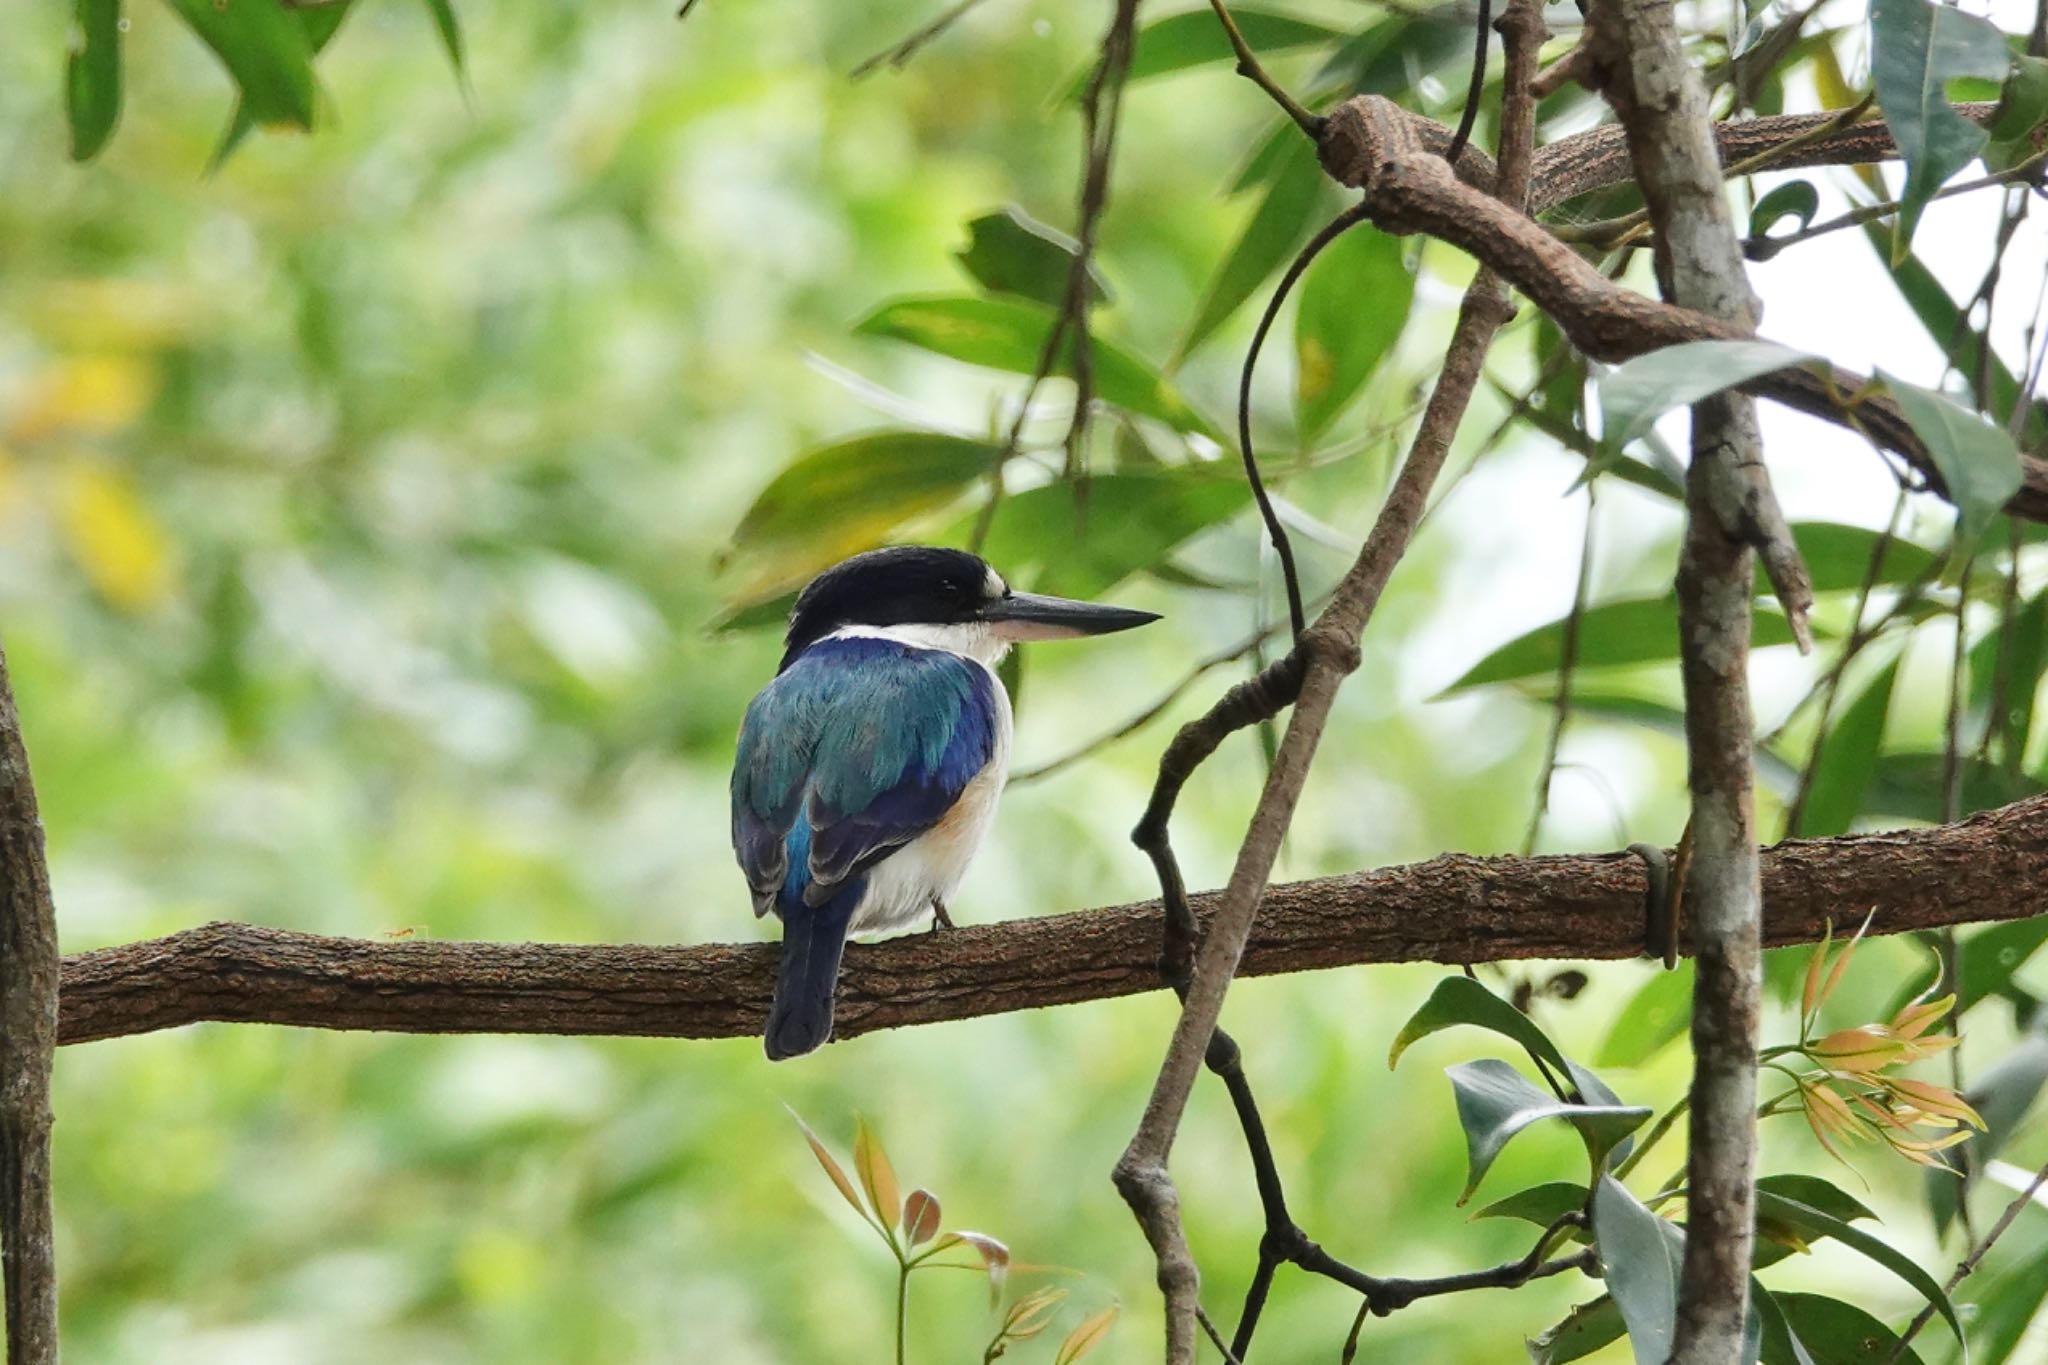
(869, 767)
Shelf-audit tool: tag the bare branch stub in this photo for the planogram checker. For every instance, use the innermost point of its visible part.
(28, 1037)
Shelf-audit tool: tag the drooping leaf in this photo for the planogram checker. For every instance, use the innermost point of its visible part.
(1634, 395)
(1081, 541)
(1793, 199)
(1830, 1332)
(920, 1217)
(1539, 1204)
(877, 1176)
(838, 499)
(1642, 1253)
(1461, 1000)
(1010, 252)
(1009, 333)
(1815, 1223)
(1495, 1102)
(448, 27)
(1285, 218)
(1917, 48)
(1848, 760)
(1978, 461)
(995, 1258)
(1655, 1016)
(92, 76)
(1353, 304)
(1582, 1331)
(1775, 1240)
(1637, 630)
(320, 23)
(265, 51)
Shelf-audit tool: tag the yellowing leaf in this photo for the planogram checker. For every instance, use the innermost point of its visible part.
(1809, 998)
(1867, 1048)
(113, 537)
(89, 395)
(831, 1165)
(1919, 1016)
(1937, 1100)
(1086, 1337)
(877, 1176)
(1032, 1314)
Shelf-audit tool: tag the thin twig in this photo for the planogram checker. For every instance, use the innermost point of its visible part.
(1969, 1263)
(1248, 66)
(1762, 246)
(899, 54)
(1567, 664)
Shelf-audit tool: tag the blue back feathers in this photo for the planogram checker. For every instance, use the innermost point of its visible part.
(855, 749)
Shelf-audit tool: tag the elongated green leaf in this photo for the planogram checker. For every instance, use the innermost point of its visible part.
(1655, 1016)
(1283, 221)
(1390, 56)
(92, 76)
(1838, 556)
(1009, 333)
(265, 51)
(1816, 1223)
(1539, 1204)
(1830, 1332)
(1633, 631)
(1978, 461)
(320, 23)
(449, 28)
(1461, 1000)
(1634, 395)
(2005, 674)
(1848, 760)
(836, 500)
(1495, 1102)
(1354, 303)
(1642, 1253)
(1793, 199)
(1195, 38)
(2002, 1097)
(1010, 252)
(1910, 785)
(1082, 540)
(1917, 48)
(1583, 1331)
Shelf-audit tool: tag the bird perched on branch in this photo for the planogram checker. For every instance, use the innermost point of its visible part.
(868, 769)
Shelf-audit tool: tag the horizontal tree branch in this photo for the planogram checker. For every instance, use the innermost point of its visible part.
(1452, 909)
(1374, 145)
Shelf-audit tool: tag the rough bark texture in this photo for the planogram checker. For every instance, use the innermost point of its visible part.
(1452, 909)
(1729, 508)
(28, 1035)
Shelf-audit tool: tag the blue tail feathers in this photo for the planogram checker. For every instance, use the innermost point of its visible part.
(813, 940)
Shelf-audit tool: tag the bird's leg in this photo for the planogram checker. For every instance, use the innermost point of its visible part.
(940, 919)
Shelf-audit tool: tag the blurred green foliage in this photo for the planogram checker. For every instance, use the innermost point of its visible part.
(367, 500)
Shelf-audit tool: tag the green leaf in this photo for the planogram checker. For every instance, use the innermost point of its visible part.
(2010, 663)
(1539, 1204)
(1642, 1253)
(1655, 1016)
(449, 27)
(1816, 1193)
(1009, 333)
(1283, 221)
(1495, 1102)
(2007, 1305)
(2002, 1097)
(321, 23)
(1638, 630)
(266, 52)
(1830, 1332)
(1838, 556)
(1780, 1345)
(1620, 707)
(1080, 540)
(1010, 252)
(1195, 38)
(1978, 461)
(1634, 395)
(1910, 785)
(1816, 1223)
(1917, 48)
(1848, 760)
(1582, 1331)
(1354, 303)
(839, 499)
(92, 76)
(1793, 199)
(1461, 1000)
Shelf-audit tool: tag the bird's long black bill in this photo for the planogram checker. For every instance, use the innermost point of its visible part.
(1032, 616)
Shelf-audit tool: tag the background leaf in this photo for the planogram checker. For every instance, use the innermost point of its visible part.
(1917, 48)
(1353, 304)
(1978, 461)
(1655, 1016)
(1849, 757)
(92, 77)
(1010, 252)
(1284, 220)
(1634, 395)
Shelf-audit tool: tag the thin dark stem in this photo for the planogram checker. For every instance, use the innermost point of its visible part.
(1969, 1263)
(1567, 664)
(1477, 87)
(1763, 248)
(1248, 66)
(898, 55)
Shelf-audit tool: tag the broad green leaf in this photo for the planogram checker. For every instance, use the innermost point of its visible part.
(1910, 785)
(1391, 56)
(1848, 760)
(1354, 303)
(1461, 1000)
(1634, 395)
(1539, 1204)
(1283, 221)
(449, 28)
(1080, 540)
(1495, 1102)
(1655, 1016)
(1780, 1345)
(840, 499)
(1814, 1223)
(1009, 333)
(320, 23)
(1583, 1331)
(1830, 1332)
(1917, 48)
(1638, 630)
(266, 52)
(1816, 1193)
(1195, 38)
(1010, 252)
(1838, 556)
(1793, 199)
(92, 76)
(1642, 1253)
(1978, 461)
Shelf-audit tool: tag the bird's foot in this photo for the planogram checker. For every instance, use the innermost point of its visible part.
(940, 919)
